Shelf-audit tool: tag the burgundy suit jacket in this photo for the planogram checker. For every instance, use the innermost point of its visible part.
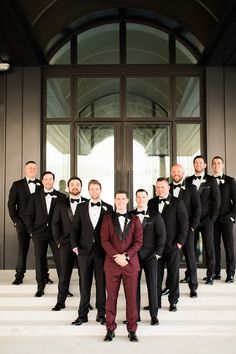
(115, 242)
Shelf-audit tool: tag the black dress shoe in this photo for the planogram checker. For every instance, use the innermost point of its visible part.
(69, 294)
(209, 281)
(132, 337)
(217, 277)
(109, 336)
(39, 293)
(48, 281)
(59, 306)
(17, 281)
(101, 319)
(173, 308)
(229, 279)
(90, 307)
(165, 291)
(154, 321)
(193, 293)
(79, 321)
(204, 278)
(185, 280)
(146, 308)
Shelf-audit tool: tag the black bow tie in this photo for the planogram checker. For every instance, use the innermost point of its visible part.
(119, 214)
(162, 200)
(49, 193)
(197, 177)
(219, 177)
(141, 212)
(75, 200)
(177, 185)
(29, 181)
(97, 204)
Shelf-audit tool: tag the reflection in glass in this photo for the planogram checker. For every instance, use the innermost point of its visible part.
(151, 156)
(187, 97)
(58, 98)
(98, 98)
(99, 45)
(146, 45)
(62, 56)
(148, 97)
(188, 145)
(95, 158)
(58, 153)
(183, 54)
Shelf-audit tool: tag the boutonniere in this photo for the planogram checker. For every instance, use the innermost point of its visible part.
(127, 221)
(146, 216)
(183, 187)
(222, 181)
(167, 202)
(104, 207)
(202, 180)
(54, 196)
(38, 184)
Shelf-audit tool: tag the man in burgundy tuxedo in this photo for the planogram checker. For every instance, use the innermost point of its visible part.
(122, 238)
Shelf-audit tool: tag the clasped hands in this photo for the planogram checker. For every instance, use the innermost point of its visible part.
(120, 259)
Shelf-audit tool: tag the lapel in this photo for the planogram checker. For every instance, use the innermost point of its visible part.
(68, 209)
(127, 225)
(43, 201)
(26, 187)
(144, 219)
(166, 205)
(53, 203)
(116, 225)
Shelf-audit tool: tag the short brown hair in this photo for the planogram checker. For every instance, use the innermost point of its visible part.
(94, 181)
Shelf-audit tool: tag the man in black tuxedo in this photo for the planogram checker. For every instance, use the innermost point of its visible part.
(154, 237)
(86, 243)
(18, 199)
(175, 217)
(61, 228)
(223, 226)
(38, 221)
(180, 189)
(210, 204)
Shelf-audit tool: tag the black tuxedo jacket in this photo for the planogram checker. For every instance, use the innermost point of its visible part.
(210, 199)
(228, 199)
(154, 234)
(191, 198)
(19, 196)
(62, 221)
(37, 218)
(82, 232)
(175, 217)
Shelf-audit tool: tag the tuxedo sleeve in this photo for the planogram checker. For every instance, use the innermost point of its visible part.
(233, 198)
(182, 219)
(56, 223)
(195, 209)
(215, 200)
(106, 233)
(12, 203)
(137, 237)
(30, 215)
(160, 233)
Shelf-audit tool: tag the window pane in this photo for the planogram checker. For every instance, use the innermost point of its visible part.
(99, 45)
(58, 153)
(62, 56)
(151, 156)
(146, 45)
(188, 145)
(98, 98)
(183, 55)
(187, 97)
(58, 98)
(95, 158)
(148, 97)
